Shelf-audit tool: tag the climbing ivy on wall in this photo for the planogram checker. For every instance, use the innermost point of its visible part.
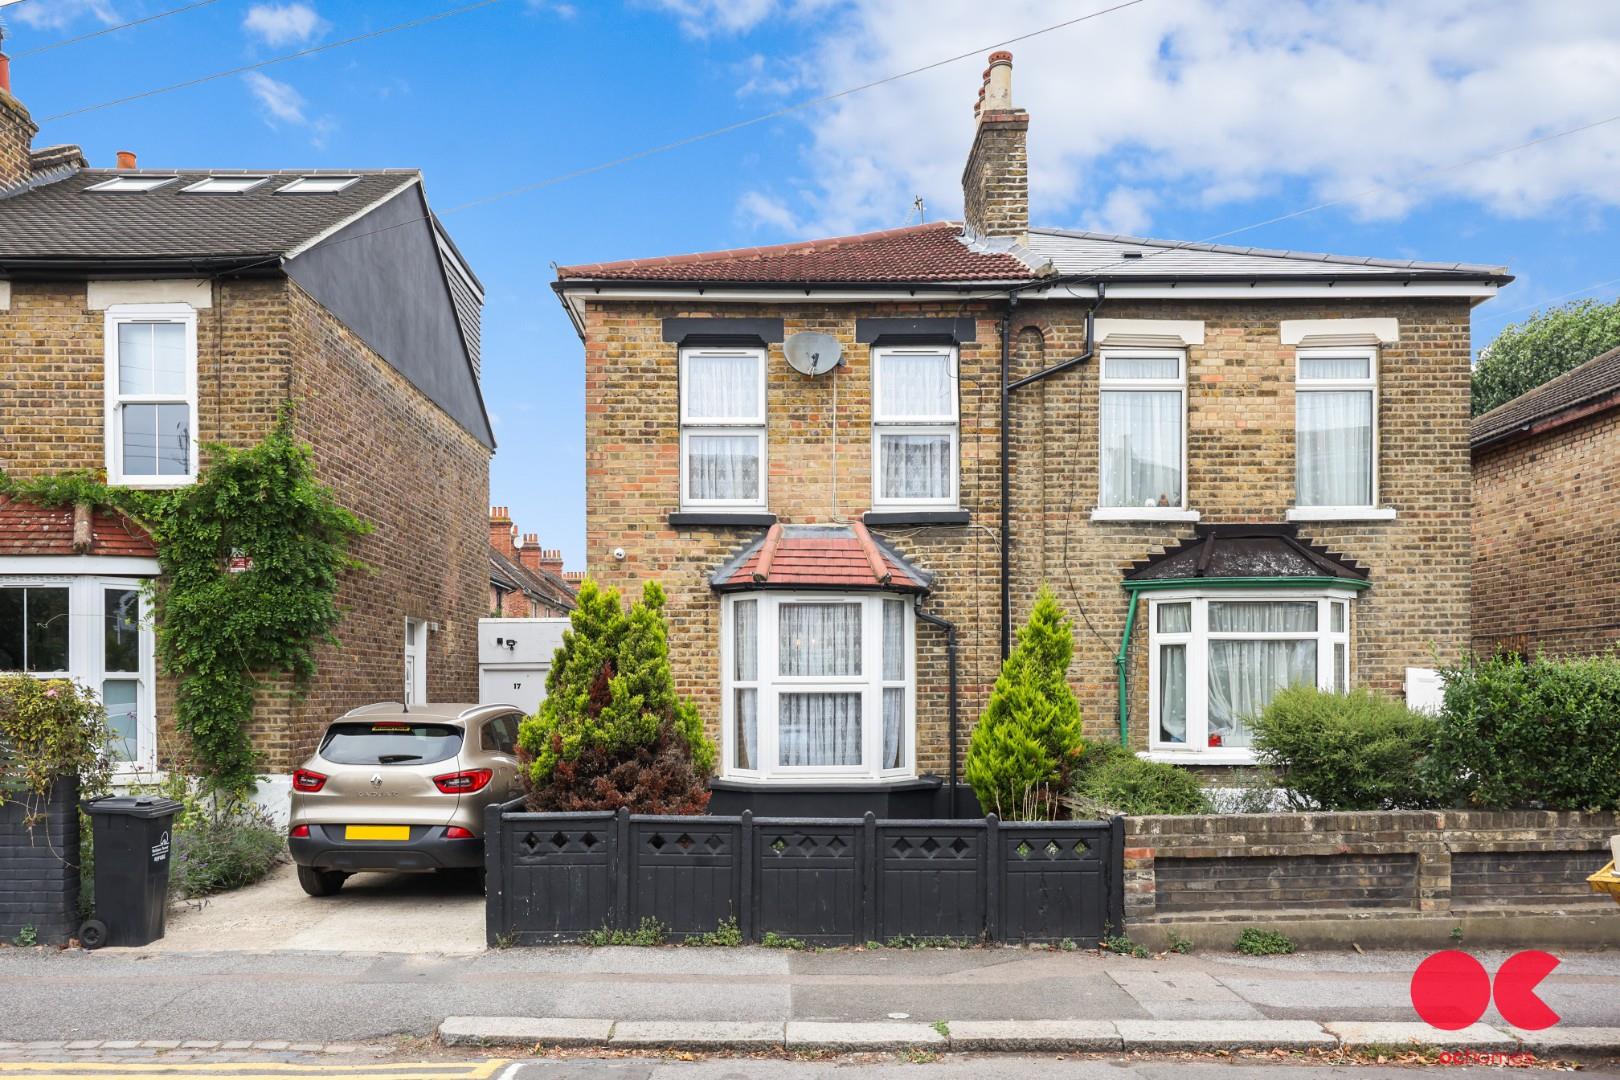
(219, 632)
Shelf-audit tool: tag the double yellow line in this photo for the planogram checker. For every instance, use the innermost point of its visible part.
(252, 1070)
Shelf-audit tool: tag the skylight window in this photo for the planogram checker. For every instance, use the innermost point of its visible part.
(225, 185)
(317, 185)
(131, 183)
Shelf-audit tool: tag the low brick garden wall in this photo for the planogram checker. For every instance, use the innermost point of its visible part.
(39, 867)
(1460, 868)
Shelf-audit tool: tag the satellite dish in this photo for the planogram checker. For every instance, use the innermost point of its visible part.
(812, 354)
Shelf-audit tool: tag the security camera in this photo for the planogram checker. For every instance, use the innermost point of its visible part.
(618, 553)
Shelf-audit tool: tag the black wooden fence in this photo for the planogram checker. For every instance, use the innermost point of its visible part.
(834, 881)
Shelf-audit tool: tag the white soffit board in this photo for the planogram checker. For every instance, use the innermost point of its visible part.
(1165, 333)
(102, 295)
(1311, 332)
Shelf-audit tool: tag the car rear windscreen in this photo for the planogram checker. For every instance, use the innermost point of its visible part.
(390, 743)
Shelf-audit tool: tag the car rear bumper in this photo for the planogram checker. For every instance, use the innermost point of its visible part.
(427, 849)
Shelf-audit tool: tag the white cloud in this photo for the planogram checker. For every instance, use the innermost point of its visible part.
(769, 77)
(283, 105)
(57, 14)
(283, 24)
(718, 18)
(758, 209)
(1208, 102)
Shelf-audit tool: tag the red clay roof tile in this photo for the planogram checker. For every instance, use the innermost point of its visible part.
(818, 557)
(26, 529)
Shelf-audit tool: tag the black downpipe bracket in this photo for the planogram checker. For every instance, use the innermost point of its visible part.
(950, 661)
(1007, 387)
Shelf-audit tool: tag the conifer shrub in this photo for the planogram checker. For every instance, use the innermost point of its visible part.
(612, 732)
(1355, 751)
(1027, 744)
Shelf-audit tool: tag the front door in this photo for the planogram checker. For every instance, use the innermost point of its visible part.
(416, 633)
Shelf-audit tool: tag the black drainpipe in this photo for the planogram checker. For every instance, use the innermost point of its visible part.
(1006, 465)
(950, 659)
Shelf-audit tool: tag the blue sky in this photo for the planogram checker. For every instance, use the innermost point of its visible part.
(1173, 118)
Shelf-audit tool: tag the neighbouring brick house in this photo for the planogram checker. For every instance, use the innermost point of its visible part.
(526, 581)
(1236, 468)
(146, 313)
(1546, 505)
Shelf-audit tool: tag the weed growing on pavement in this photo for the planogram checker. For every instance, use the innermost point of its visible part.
(1254, 941)
(1124, 946)
(650, 932)
(773, 940)
(723, 936)
(1456, 934)
(943, 1028)
(506, 940)
(921, 941)
(1179, 944)
(25, 937)
(918, 1056)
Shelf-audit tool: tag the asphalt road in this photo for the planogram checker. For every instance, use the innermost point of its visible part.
(316, 996)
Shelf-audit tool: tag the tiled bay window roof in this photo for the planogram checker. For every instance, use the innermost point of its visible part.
(819, 557)
(26, 529)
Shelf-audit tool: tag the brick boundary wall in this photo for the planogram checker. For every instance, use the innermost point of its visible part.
(39, 868)
(1372, 865)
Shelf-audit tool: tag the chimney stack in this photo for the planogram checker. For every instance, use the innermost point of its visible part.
(529, 553)
(995, 183)
(501, 531)
(126, 160)
(17, 131)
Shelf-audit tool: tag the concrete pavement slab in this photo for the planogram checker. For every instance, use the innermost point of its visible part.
(697, 1035)
(889, 1035)
(1560, 1039)
(1031, 1036)
(552, 1031)
(1403, 1033)
(1222, 1034)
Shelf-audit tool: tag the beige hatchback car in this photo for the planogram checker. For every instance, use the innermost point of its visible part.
(400, 789)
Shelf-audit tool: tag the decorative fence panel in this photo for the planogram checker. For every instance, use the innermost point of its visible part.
(561, 877)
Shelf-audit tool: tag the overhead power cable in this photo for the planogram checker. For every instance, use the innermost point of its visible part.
(273, 60)
(1492, 316)
(111, 29)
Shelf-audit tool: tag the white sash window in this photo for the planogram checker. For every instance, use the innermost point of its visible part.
(1336, 428)
(914, 427)
(722, 429)
(151, 386)
(1142, 432)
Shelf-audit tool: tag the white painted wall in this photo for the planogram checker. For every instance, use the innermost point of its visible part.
(514, 658)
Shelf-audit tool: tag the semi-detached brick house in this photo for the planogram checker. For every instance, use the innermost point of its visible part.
(1546, 478)
(1237, 469)
(147, 313)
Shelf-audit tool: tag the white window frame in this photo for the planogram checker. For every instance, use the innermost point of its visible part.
(133, 184)
(926, 424)
(1372, 511)
(754, 426)
(210, 185)
(318, 184)
(1105, 384)
(87, 662)
(1196, 750)
(117, 315)
(770, 686)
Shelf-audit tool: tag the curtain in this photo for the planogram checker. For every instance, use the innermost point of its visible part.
(1262, 617)
(894, 713)
(1141, 448)
(1333, 461)
(913, 386)
(1173, 693)
(1141, 367)
(1244, 674)
(894, 641)
(722, 388)
(722, 467)
(1335, 368)
(819, 639)
(745, 640)
(916, 466)
(747, 733)
(819, 728)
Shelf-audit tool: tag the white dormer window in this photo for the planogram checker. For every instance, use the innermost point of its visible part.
(151, 381)
(225, 185)
(317, 185)
(131, 184)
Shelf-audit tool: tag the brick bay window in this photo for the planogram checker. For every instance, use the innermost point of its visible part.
(1216, 659)
(914, 428)
(92, 630)
(1142, 436)
(151, 380)
(722, 429)
(818, 685)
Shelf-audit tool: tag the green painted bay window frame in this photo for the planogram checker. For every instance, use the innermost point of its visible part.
(1137, 588)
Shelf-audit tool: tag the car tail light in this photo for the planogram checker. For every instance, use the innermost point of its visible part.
(305, 780)
(456, 832)
(299, 832)
(460, 783)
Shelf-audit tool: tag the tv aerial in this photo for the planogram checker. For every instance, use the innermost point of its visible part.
(812, 354)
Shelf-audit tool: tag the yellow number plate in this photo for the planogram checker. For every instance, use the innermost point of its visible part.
(376, 832)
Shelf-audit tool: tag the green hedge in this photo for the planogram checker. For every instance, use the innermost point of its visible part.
(1541, 734)
(1355, 751)
(1111, 780)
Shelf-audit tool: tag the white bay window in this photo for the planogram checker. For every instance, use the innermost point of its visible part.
(722, 429)
(914, 427)
(817, 685)
(151, 391)
(1216, 660)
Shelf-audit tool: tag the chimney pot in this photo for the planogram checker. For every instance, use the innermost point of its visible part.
(998, 82)
(126, 159)
(5, 72)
